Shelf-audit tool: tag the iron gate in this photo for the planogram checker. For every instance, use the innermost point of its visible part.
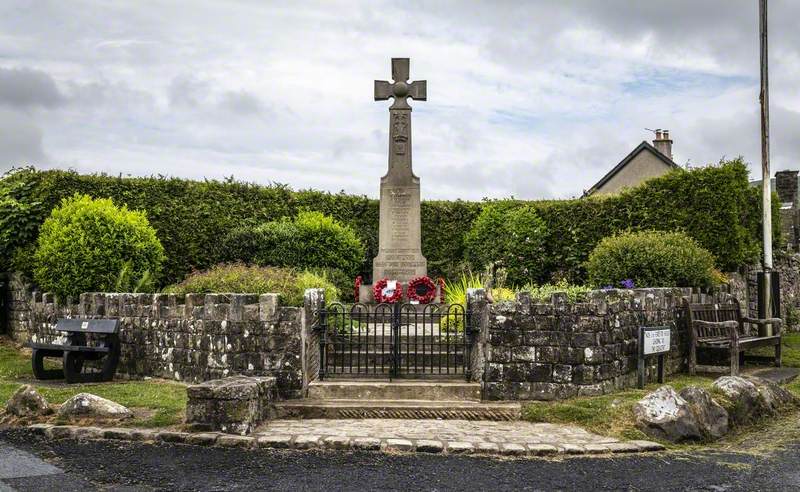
(394, 340)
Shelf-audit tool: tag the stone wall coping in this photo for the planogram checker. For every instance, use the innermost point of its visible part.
(206, 306)
(603, 301)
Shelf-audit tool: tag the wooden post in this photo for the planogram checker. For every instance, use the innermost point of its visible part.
(766, 189)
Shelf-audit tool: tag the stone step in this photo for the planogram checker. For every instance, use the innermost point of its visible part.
(395, 390)
(396, 409)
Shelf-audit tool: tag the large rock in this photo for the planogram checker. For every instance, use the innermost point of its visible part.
(753, 398)
(663, 414)
(711, 416)
(86, 405)
(27, 402)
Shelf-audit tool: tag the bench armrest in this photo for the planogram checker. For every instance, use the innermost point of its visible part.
(777, 323)
(765, 321)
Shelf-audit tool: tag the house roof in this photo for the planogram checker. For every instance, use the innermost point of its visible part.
(644, 146)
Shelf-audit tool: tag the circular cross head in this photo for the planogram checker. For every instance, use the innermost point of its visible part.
(400, 89)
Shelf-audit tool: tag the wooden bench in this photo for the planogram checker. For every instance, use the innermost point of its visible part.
(76, 350)
(721, 326)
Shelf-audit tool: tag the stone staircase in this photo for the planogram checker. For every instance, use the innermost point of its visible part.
(374, 399)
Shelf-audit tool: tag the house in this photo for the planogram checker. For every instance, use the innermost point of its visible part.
(787, 185)
(645, 162)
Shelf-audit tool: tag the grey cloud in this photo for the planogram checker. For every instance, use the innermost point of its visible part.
(241, 102)
(24, 87)
(20, 141)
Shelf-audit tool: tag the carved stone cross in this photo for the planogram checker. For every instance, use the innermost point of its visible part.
(400, 89)
(400, 114)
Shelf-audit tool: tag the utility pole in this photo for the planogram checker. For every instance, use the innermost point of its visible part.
(766, 189)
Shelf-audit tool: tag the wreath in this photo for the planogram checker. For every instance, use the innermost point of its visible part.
(422, 290)
(357, 289)
(379, 288)
(440, 281)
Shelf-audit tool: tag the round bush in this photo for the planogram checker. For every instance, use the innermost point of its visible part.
(310, 241)
(243, 279)
(651, 259)
(85, 244)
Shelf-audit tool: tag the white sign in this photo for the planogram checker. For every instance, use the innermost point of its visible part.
(656, 341)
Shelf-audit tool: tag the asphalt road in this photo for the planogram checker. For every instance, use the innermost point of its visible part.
(30, 462)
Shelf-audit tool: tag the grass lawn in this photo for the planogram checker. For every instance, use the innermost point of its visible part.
(158, 403)
(790, 352)
(609, 415)
(612, 415)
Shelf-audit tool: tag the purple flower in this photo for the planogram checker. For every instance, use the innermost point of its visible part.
(607, 287)
(627, 284)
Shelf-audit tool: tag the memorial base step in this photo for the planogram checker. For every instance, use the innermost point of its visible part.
(395, 390)
(396, 409)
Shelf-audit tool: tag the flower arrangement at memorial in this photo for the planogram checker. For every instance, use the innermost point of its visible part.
(421, 289)
(357, 288)
(441, 283)
(386, 290)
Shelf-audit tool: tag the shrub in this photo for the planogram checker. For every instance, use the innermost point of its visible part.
(19, 223)
(524, 252)
(651, 259)
(311, 240)
(510, 236)
(85, 243)
(485, 242)
(237, 278)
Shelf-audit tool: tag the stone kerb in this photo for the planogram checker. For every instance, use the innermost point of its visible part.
(561, 349)
(192, 337)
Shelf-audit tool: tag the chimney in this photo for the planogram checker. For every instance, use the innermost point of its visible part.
(663, 143)
(786, 186)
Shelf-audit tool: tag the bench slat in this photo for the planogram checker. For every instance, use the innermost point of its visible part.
(107, 326)
(67, 348)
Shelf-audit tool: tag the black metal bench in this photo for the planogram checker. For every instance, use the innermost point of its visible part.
(77, 349)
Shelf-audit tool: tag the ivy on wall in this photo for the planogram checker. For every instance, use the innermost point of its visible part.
(715, 205)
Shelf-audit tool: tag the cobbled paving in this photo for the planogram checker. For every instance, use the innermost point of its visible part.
(460, 436)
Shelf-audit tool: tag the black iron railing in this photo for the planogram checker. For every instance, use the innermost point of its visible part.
(394, 340)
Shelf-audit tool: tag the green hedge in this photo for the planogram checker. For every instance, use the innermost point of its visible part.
(714, 205)
(651, 259)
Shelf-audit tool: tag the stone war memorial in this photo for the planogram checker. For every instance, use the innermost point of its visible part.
(404, 363)
(399, 257)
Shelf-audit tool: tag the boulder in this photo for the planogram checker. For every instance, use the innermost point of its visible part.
(753, 398)
(27, 402)
(663, 414)
(86, 405)
(711, 416)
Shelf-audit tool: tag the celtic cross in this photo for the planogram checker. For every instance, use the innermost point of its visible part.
(400, 114)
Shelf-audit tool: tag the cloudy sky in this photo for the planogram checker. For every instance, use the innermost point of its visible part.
(535, 99)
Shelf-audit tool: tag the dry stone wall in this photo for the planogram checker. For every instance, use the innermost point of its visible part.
(193, 337)
(560, 349)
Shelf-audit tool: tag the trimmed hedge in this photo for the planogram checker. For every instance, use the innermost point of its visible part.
(651, 259)
(86, 245)
(714, 205)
